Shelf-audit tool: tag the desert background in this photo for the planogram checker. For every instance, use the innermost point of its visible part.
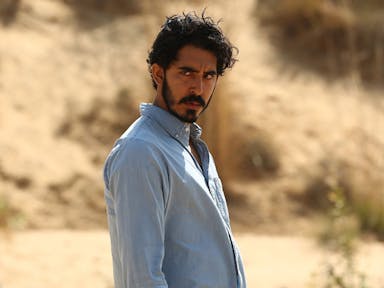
(296, 128)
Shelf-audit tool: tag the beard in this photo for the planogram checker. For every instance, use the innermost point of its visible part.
(190, 115)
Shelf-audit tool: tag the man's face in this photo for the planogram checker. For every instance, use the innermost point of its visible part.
(189, 83)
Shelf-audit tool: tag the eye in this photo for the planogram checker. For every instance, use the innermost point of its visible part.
(210, 76)
(186, 73)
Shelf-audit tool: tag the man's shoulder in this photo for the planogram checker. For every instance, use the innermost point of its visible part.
(131, 152)
(138, 141)
(144, 129)
(132, 147)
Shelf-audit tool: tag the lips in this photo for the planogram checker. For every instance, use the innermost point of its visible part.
(193, 101)
(193, 104)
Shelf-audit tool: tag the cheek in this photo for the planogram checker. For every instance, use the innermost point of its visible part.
(180, 91)
(210, 88)
(174, 90)
(180, 86)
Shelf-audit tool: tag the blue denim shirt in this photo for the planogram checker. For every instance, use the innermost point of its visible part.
(167, 215)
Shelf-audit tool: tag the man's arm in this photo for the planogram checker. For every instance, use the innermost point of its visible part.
(137, 188)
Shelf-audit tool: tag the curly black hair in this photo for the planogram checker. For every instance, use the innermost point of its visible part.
(191, 29)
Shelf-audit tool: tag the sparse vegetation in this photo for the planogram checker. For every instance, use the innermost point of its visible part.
(117, 7)
(10, 218)
(367, 204)
(9, 10)
(369, 208)
(339, 238)
(262, 156)
(101, 124)
(336, 37)
(364, 199)
(258, 156)
(104, 122)
(90, 14)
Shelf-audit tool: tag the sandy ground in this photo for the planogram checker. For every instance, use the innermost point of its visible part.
(64, 258)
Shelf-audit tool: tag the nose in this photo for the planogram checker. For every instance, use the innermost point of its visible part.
(197, 86)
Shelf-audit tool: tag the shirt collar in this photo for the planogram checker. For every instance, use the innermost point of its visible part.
(178, 129)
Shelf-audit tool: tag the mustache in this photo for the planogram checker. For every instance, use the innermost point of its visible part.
(193, 98)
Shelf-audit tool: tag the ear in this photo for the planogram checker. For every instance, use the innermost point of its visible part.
(157, 73)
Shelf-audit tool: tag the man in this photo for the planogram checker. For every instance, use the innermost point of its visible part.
(167, 214)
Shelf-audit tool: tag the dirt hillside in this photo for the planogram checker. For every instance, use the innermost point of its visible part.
(72, 78)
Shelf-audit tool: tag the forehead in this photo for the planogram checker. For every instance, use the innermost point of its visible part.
(196, 58)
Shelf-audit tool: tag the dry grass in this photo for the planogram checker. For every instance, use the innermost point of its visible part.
(91, 14)
(10, 218)
(102, 124)
(116, 7)
(368, 205)
(334, 37)
(362, 190)
(365, 195)
(9, 10)
(339, 237)
(257, 155)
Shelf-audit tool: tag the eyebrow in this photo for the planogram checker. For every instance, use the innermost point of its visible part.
(190, 69)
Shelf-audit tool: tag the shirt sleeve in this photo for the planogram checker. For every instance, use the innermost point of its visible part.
(137, 187)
